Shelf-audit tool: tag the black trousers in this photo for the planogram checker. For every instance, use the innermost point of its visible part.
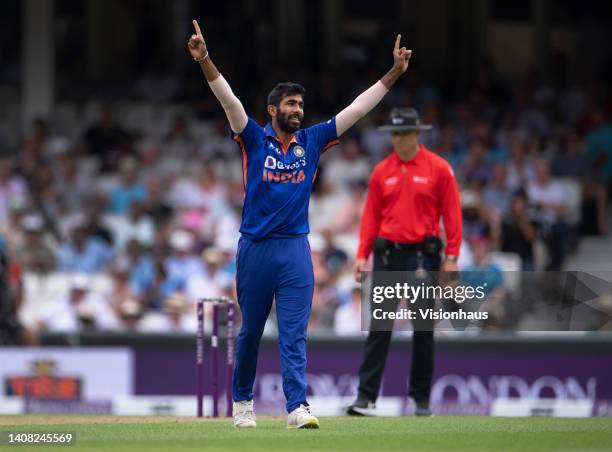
(377, 344)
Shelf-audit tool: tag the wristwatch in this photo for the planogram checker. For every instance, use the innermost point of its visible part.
(452, 258)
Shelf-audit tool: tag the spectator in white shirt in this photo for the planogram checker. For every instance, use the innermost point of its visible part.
(137, 226)
(546, 194)
(183, 263)
(347, 166)
(81, 310)
(347, 318)
(175, 318)
(520, 169)
(130, 312)
(212, 283)
(549, 198)
(13, 190)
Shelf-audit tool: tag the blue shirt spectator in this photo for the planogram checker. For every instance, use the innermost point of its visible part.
(84, 253)
(128, 191)
(183, 262)
(599, 145)
(489, 277)
(496, 195)
(482, 273)
(150, 280)
(142, 274)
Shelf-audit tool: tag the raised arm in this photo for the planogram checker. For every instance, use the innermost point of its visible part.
(234, 110)
(367, 100)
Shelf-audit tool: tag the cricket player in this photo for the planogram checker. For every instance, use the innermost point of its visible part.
(279, 163)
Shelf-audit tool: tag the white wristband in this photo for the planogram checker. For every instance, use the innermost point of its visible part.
(201, 59)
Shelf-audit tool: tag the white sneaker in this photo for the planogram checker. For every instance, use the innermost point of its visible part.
(301, 418)
(244, 416)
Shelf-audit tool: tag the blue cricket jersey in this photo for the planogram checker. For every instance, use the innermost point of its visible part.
(278, 180)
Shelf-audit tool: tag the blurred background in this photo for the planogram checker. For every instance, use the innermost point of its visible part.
(121, 192)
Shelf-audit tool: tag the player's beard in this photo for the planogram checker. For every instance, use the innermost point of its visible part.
(285, 124)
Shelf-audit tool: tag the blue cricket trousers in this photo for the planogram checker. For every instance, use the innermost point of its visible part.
(274, 269)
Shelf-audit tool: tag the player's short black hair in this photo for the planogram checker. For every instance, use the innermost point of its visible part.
(284, 89)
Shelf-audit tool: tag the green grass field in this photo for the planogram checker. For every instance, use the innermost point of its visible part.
(148, 434)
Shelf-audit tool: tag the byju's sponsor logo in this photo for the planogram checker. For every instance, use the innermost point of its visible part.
(301, 163)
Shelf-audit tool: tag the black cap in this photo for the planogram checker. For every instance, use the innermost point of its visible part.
(403, 120)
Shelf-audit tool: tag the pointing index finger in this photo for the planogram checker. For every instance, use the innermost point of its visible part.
(197, 27)
(397, 42)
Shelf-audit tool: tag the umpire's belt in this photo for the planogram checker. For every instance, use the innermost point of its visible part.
(384, 245)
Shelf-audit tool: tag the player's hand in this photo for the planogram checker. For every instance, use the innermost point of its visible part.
(449, 265)
(358, 268)
(196, 44)
(401, 56)
(449, 274)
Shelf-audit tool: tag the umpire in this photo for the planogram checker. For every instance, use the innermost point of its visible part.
(409, 192)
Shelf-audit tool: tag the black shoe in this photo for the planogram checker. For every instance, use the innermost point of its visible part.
(361, 407)
(423, 410)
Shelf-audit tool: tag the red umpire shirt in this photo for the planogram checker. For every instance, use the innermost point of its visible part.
(406, 200)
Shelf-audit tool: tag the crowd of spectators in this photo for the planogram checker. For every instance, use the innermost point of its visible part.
(119, 229)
